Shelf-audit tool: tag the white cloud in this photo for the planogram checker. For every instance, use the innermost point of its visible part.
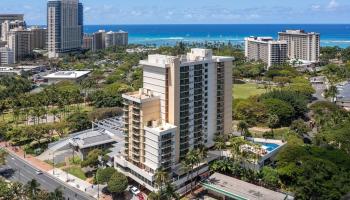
(316, 7)
(333, 4)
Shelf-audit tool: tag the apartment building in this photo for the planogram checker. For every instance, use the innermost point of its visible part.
(38, 37)
(6, 56)
(9, 17)
(302, 45)
(7, 26)
(99, 40)
(266, 49)
(19, 41)
(184, 102)
(64, 26)
(87, 41)
(119, 38)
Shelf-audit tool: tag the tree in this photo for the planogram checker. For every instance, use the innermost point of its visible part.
(117, 183)
(332, 92)
(220, 144)
(79, 121)
(154, 196)
(92, 159)
(56, 195)
(284, 111)
(300, 127)
(3, 155)
(104, 175)
(243, 128)
(192, 159)
(272, 121)
(169, 193)
(32, 188)
(270, 177)
(161, 177)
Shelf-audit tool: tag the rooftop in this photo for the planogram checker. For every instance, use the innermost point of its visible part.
(92, 138)
(238, 189)
(67, 75)
(140, 96)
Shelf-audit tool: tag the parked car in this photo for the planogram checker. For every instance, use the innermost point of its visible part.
(135, 191)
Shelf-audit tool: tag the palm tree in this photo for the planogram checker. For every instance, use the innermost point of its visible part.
(332, 92)
(186, 168)
(154, 196)
(161, 177)
(193, 159)
(32, 188)
(54, 113)
(220, 144)
(170, 192)
(56, 195)
(243, 128)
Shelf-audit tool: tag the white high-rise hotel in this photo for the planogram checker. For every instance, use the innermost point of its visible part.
(184, 102)
(65, 26)
(302, 45)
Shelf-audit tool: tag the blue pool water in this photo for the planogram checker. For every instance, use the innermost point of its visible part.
(270, 146)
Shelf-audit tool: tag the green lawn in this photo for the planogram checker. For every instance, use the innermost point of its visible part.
(244, 91)
(76, 171)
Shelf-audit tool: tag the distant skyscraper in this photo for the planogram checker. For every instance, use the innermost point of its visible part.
(302, 45)
(10, 17)
(65, 26)
(266, 49)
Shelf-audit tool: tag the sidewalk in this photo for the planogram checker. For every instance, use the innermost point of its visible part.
(43, 166)
(73, 181)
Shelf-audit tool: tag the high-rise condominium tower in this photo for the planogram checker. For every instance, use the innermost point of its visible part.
(266, 49)
(184, 102)
(302, 45)
(65, 26)
(10, 17)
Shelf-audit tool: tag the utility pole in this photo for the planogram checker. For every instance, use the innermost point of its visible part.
(53, 163)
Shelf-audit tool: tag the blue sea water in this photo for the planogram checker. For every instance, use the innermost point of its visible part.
(331, 34)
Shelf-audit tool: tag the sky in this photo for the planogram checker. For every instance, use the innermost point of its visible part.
(194, 11)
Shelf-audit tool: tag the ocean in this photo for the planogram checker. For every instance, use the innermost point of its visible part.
(331, 34)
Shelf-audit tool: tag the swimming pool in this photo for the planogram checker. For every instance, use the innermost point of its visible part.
(269, 146)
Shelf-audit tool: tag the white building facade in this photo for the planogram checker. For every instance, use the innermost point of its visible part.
(267, 50)
(185, 101)
(302, 45)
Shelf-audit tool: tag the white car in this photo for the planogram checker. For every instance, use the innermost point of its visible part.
(38, 172)
(134, 190)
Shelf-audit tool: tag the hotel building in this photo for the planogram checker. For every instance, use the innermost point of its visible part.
(266, 49)
(10, 17)
(119, 38)
(87, 41)
(184, 102)
(64, 26)
(302, 45)
(38, 37)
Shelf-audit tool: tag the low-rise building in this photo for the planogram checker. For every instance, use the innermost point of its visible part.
(220, 186)
(66, 76)
(7, 56)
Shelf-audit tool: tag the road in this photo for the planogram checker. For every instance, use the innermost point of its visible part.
(18, 170)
